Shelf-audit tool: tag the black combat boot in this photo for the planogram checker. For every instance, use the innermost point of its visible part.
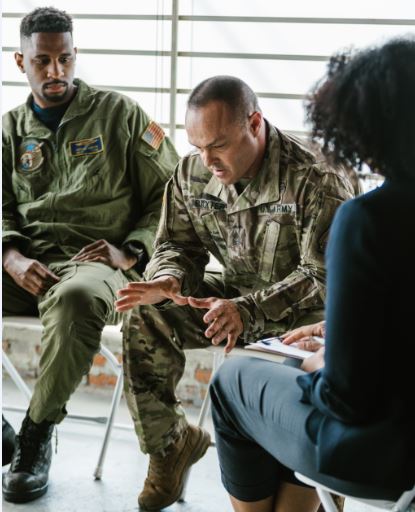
(8, 441)
(27, 478)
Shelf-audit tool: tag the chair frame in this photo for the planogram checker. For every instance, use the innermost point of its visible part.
(219, 357)
(401, 505)
(33, 324)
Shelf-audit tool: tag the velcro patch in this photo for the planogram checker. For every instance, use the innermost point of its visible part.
(278, 208)
(206, 204)
(86, 146)
(31, 156)
(154, 135)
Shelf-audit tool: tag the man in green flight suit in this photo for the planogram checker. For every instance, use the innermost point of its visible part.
(262, 204)
(83, 176)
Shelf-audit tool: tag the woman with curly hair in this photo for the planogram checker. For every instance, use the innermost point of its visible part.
(345, 419)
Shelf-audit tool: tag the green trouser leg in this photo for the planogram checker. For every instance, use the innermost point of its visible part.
(16, 300)
(73, 313)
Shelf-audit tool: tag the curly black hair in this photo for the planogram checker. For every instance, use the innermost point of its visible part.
(363, 110)
(45, 19)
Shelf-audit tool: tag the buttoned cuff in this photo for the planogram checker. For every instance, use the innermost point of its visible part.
(252, 318)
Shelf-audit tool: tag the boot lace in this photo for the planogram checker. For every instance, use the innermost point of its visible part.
(30, 443)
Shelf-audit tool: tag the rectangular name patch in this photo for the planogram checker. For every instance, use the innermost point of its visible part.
(86, 146)
(206, 204)
(278, 208)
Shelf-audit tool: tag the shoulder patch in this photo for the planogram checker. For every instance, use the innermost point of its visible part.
(153, 135)
(30, 155)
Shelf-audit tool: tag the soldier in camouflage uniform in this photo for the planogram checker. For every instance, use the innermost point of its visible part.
(83, 178)
(257, 200)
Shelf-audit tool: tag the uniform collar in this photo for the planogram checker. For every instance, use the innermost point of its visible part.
(264, 188)
(81, 104)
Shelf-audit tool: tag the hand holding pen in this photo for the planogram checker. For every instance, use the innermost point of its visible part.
(308, 337)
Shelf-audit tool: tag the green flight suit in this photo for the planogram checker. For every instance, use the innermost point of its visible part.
(101, 175)
(270, 240)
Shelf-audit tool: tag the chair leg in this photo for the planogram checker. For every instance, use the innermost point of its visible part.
(116, 397)
(218, 358)
(16, 378)
(404, 502)
(326, 500)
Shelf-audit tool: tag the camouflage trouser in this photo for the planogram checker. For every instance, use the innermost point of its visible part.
(153, 344)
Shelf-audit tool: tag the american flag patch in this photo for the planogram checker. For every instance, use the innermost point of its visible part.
(153, 135)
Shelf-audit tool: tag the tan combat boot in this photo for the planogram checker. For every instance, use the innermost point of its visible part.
(165, 477)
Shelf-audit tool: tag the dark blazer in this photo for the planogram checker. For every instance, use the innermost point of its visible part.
(364, 397)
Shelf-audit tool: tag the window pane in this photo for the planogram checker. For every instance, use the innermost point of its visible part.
(285, 38)
(301, 8)
(93, 6)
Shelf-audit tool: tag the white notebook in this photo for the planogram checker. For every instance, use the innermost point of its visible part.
(274, 345)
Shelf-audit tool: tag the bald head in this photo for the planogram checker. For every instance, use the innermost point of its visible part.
(233, 92)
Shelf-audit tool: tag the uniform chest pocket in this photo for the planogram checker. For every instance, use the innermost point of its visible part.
(91, 177)
(100, 174)
(214, 228)
(30, 185)
(269, 250)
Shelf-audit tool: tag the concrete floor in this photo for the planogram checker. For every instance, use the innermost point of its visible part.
(72, 487)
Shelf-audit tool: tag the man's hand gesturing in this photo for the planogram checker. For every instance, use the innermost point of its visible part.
(223, 318)
(150, 292)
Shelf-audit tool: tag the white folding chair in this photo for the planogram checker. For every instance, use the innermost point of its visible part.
(111, 332)
(401, 505)
(219, 357)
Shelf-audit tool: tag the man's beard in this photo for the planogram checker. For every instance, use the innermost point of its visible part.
(56, 98)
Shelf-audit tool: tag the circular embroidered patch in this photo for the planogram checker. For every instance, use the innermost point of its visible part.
(31, 156)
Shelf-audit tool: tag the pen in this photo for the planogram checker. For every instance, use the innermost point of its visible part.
(267, 341)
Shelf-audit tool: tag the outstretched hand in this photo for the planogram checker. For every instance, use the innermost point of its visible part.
(223, 318)
(150, 292)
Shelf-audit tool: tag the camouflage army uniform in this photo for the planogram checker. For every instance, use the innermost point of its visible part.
(270, 240)
(101, 175)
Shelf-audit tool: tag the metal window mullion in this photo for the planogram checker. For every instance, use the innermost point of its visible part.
(299, 133)
(311, 21)
(166, 90)
(234, 19)
(173, 68)
(175, 54)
